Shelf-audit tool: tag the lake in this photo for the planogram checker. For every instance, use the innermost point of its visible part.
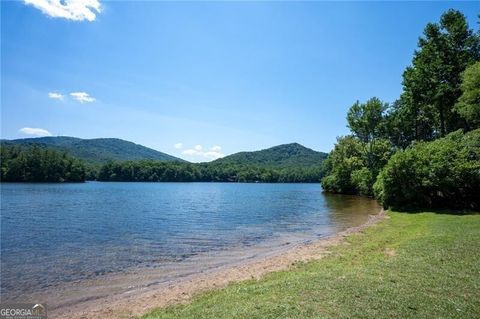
(53, 235)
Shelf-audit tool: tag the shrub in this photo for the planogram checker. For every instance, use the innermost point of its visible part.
(443, 173)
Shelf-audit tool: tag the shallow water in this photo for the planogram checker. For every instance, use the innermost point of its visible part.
(55, 234)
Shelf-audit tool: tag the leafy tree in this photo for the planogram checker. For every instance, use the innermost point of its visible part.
(353, 165)
(346, 158)
(366, 120)
(161, 171)
(34, 164)
(434, 102)
(468, 105)
(432, 83)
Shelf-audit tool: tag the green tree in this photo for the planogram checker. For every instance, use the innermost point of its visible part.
(34, 164)
(356, 160)
(400, 124)
(468, 105)
(161, 171)
(346, 158)
(366, 120)
(432, 83)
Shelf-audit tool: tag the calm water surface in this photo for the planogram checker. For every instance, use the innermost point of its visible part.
(53, 234)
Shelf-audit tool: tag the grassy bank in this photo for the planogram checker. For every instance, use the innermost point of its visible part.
(410, 265)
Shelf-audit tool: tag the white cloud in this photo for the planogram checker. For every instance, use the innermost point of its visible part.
(55, 96)
(35, 131)
(77, 10)
(191, 152)
(212, 154)
(82, 97)
(178, 146)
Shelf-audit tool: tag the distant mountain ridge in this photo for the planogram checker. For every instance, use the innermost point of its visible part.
(97, 150)
(285, 155)
(101, 150)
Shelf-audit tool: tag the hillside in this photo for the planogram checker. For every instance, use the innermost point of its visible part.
(96, 151)
(286, 155)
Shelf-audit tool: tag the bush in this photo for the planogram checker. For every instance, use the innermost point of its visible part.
(444, 173)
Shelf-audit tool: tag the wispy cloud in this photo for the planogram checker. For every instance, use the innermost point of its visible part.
(178, 146)
(213, 155)
(77, 10)
(82, 97)
(34, 131)
(56, 96)
(191, 152)
(197, 151)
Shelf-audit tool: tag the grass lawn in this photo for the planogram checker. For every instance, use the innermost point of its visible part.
(408, 266)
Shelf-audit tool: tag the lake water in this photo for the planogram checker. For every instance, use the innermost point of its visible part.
(56, 234)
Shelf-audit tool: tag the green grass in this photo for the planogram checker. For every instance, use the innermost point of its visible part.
(409, 266)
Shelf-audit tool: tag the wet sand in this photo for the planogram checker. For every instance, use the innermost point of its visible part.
(106, 298)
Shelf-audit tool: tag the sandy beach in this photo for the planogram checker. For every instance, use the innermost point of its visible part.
(138, 301)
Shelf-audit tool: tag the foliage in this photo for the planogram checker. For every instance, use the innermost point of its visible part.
(468, 105)
(287, 155)
(366, 120)
(400, 128)
(34, 164)
(95, 151)
(432, 83)
(442, 173)
(434, 102)
(283, 163)
(354, 163)
(291, 163)
(345, 159)
(408, 266)
(157, 171)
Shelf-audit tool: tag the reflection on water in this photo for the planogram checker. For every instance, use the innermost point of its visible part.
(55, 234)
(349, 209)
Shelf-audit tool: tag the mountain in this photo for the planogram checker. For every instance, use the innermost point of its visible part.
(101, 150)
(96, 151)
(286, 155)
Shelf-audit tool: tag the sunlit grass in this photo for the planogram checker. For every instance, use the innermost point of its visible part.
(410, 265)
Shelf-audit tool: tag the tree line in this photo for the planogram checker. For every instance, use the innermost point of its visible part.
(422, 150)
(156, 171)
(415, 152)
(35, 164)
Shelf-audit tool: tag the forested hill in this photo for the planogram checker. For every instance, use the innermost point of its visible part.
(286, 155)
(35, 160)
(95, 151)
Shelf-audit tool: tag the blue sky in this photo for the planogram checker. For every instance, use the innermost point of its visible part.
(215, 77)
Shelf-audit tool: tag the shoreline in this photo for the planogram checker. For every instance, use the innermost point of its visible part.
(137, 302)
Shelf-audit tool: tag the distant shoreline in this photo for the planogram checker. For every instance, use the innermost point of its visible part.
(139, 301)
(166, 182)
